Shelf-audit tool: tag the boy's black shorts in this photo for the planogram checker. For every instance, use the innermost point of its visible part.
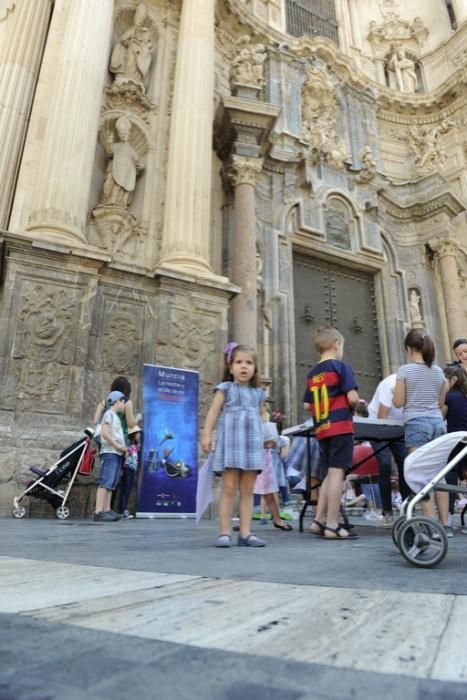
(336, 452)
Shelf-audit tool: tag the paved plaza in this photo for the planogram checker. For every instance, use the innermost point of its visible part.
(150, 609)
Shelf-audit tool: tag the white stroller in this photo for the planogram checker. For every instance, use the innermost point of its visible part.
(422, 541)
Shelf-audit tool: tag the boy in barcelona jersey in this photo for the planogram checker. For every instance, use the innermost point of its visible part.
(331, 396)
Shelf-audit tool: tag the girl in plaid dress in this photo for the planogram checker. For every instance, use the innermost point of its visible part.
(238, 453)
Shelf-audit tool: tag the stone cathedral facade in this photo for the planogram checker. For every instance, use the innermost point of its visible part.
(177, 173)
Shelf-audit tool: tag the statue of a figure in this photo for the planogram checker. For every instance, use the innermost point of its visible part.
(424, 143)
(120, 179)
(414, 308)
(131, 57)
(247, 66)
(404, 69)
(368, 170)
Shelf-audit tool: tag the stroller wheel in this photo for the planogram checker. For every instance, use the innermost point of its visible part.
(19, 511)
(396, 528)
(423, 542)
(62, 512)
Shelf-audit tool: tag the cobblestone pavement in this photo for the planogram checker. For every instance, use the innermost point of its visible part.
(151, 609)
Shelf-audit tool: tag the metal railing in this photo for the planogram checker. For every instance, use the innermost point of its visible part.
(312, 17)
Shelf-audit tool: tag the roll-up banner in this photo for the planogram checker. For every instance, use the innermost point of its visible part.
(169, 464)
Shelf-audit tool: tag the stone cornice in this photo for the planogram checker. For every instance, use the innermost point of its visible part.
(421, 199)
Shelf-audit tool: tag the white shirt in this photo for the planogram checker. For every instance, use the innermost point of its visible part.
(383, 395)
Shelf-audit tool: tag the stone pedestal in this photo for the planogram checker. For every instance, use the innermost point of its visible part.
(20, 54)
(61, 192)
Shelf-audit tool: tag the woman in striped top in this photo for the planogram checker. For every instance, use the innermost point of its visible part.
(420, 391)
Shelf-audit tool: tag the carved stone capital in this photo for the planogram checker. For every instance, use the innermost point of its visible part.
(243, 170)
(444, 246)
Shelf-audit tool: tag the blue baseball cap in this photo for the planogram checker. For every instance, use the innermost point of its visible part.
(115, 396)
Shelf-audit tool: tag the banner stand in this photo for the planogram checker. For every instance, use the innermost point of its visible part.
(169, 456)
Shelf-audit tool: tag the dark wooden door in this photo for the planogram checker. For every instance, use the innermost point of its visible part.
(325, 293)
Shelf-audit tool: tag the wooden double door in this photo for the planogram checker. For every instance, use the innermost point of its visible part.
(325, 293)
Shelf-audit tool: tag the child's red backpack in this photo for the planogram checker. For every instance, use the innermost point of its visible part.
(87, 463)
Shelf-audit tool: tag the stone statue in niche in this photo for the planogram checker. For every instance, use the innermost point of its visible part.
(120, 179)
(247, 66)
(403, 70)
(416, 319)
(131, 57)
(368, 170)
(424, 144)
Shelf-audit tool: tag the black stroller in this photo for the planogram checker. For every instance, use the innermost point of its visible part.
(78, 457)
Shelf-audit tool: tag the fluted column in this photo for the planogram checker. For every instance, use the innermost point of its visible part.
(22, 34)
(185, 241)
(460, 11)
(447, 251)
(81, 29)
(242, 175)
(344, 25)
(355, 24)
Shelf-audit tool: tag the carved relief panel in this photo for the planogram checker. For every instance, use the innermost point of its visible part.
(188, 333)
(46, 341)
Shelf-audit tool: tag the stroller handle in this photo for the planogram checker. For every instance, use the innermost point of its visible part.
(89, 432)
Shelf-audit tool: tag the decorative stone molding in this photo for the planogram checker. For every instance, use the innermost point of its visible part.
(319, 109)
(397, 29)
(244, 171)
(6, 6)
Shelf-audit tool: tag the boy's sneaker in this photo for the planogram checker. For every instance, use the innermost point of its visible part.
(388, 521)
(108, 517)
(287, 514)
(117, 516)
(373, 517)
(127, 515)
(449, 531)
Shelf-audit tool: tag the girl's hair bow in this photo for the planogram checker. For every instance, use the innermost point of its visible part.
(228, 350)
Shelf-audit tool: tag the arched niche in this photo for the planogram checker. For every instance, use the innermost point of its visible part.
(340, 223)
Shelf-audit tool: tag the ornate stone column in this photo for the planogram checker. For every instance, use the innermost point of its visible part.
(186, 231)
(82, 30)
(23, 29)
(447, 251)
(242, 175)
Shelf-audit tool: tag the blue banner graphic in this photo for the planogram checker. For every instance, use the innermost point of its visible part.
(167, 484)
